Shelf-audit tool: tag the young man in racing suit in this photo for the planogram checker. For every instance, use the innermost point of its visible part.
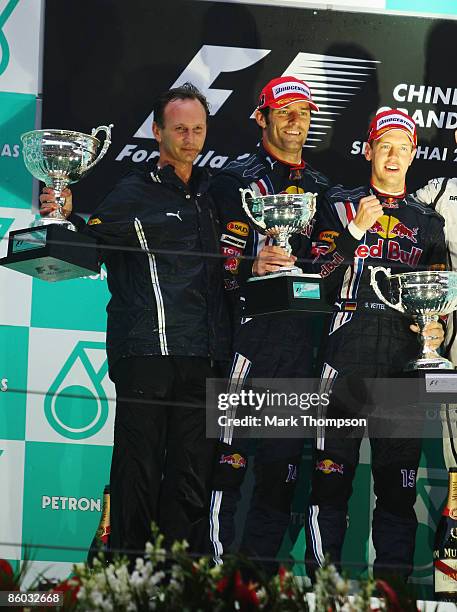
(265, 346)
(441, 194)
(376, 224)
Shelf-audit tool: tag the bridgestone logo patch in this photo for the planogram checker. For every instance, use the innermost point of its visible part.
(393, 119)
(290, 88)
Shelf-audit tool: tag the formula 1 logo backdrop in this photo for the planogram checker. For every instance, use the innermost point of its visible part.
(204, 69)
(236, 49)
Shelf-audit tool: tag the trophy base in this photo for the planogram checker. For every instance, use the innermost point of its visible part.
(284, 292)
(435, 363)
(61, 222)
(295, 271)
(51, 253)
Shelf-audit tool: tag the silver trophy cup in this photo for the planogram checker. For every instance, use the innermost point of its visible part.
(49, 251)
(61, 157)
(279, 216)
(425, 296)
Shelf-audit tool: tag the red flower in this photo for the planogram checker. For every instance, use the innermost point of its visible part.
(5, 568)
(7, 578)
(390, 595)
(282, 574)
(221, 585)
(69, 588)
(245, 593)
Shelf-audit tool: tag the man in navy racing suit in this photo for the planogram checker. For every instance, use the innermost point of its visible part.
(376, 224)
(265, 346)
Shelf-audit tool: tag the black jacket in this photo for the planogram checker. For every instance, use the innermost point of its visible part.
(160, 242)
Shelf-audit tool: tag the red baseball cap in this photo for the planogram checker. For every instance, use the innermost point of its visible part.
(392, 120)
(285, 90)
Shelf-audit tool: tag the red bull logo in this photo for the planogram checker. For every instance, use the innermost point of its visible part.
(410, 258)
(235, 460)
(391, 227)
(374, 251)
(327, 466)
(319, 249)
(376, 228)
(402, 231)
(328, 268)
(293, 189)
(231, 264)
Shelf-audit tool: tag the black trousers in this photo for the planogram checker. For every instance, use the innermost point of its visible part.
(162, 460)
(270, 346)
(360, 349)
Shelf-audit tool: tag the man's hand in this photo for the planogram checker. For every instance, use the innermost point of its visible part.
(433, 332)
(48, 202)
(369, 211)
(271, 259)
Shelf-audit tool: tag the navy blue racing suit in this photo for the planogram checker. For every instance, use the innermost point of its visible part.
(265, 347)
(367, 339)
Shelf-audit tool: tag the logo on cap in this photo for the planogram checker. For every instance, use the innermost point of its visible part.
(282, 91)
(290, 88)
(392, 120)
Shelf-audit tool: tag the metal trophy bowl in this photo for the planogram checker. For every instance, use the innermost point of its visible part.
(49, 251)
(290, 289)
(61, 157)
(279, 216)
(425, 296)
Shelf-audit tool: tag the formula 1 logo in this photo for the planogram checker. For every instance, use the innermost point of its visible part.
(4, 46)
(329, 75)
(204, 69)
(76, 405)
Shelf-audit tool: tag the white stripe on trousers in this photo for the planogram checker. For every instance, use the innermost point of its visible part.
(328, 377)
(448, 414)
(316, 535)
(240, 370)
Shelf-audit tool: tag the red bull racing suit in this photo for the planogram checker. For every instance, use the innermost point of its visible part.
(367, 339)
(265, 347)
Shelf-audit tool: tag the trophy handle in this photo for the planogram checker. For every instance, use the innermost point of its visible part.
(106, 144)
(386, 271)
(244, 192)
